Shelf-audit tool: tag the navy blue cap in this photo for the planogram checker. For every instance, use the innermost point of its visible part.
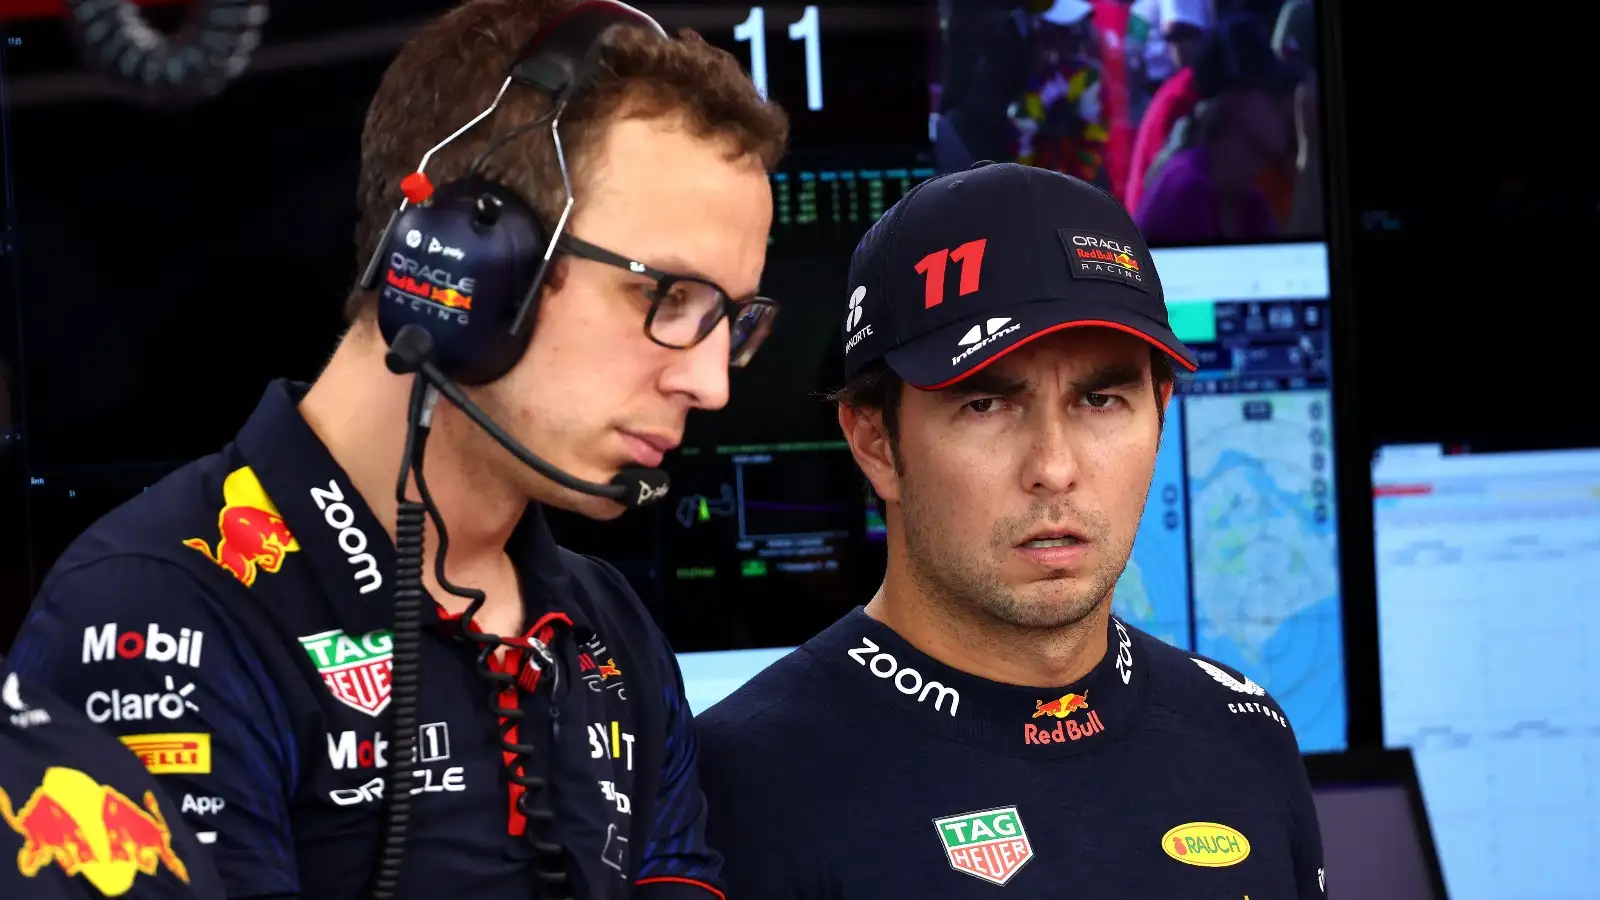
(970, 265)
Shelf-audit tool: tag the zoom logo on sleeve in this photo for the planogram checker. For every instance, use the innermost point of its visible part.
(352, 540)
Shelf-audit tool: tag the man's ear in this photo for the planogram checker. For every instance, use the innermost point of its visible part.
(1166, 396)
(869, 444)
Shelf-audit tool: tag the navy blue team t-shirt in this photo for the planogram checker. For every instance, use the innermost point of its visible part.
(232, 625)
(858, 768)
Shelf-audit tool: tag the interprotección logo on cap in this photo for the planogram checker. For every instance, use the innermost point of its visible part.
(1094, 255)
(978, 337)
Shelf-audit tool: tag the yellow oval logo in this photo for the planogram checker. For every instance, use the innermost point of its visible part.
(1205, 844)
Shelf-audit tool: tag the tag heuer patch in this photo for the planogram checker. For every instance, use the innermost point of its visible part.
(355, 669)
(991, 844)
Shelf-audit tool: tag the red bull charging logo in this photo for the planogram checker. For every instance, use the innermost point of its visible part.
(421, 289)
(1108, 258)
(1068, 729)
(253, 537)
(91, 830)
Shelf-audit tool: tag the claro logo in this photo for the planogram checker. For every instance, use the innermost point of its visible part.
(352, 540)
(908, 681)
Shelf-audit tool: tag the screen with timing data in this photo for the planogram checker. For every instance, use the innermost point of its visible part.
(1489, 644)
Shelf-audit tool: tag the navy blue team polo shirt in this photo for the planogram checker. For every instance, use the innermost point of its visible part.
(858, 768)
(80, 817)
(232, 624)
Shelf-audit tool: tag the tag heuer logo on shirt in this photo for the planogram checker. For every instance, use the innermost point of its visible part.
(990, 844)
(355, 669)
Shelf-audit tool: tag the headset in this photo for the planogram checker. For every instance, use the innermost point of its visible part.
(461, 270)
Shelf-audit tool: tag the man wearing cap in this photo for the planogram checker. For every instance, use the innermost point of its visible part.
(985, 720)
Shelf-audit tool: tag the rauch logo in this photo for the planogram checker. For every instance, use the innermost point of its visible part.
(1206, 844)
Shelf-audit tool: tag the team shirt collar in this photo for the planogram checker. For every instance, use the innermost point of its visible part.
(337, 535)
(886, 671)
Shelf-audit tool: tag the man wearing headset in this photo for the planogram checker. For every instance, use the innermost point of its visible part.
(985, 720)
(243, 610)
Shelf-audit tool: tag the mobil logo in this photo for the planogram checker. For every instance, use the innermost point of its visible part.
(103, 642)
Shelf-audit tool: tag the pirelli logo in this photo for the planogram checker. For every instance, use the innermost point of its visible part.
(172, 754)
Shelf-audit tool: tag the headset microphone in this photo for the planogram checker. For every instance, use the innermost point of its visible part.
(411, 352)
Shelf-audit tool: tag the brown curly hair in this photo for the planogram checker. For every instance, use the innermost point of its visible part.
(453, 67)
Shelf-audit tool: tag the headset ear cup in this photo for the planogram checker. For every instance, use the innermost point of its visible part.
(469, 265)
(457, 266)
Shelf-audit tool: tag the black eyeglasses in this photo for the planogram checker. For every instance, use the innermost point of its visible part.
(684, 309)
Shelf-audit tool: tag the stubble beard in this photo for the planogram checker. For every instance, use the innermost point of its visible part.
(965, 579)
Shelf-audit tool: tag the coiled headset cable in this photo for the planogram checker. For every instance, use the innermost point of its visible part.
(410, 596)
(409, 599)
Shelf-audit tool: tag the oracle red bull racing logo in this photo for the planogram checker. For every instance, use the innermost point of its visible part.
(91, 830)
(1103, 257)
(1108, 258)
(252, 535)
(428, 289)
(600, 676)
(1067, 729)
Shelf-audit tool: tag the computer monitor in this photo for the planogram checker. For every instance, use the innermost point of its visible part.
(1488, 568)
(1377, 843)
(854, 80)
